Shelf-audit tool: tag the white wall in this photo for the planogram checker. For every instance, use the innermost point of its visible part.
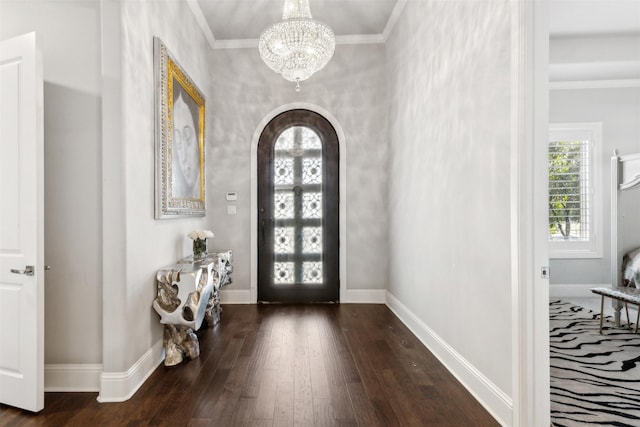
(609, 58)
(70, 32)
(140, 244)
(449, 201)
(352, 89)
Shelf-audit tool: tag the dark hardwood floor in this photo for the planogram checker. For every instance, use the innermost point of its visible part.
(286, 365)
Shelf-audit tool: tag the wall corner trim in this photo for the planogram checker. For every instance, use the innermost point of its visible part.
(494, 400)
(202, 22)
(393, 19)
(120, 386)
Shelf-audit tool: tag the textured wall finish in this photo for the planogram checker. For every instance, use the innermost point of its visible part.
(449, 202)
(352, 88)
(150, 243)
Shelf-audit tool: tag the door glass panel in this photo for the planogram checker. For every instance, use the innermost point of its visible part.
(283, 171)
(312, 171)
(284, 273)
(310, 140)
(284, 208)
(312, 272)
(312, 240)
(284, 240)
(298, 207)
(312, 205)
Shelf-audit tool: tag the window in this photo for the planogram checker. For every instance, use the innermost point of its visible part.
(575, 190)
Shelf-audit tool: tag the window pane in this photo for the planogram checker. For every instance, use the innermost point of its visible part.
(312, 272)
(283, 171)
(297, 179)
(284, 205)
(310, 140)
(285, 140)
(283, 272)
(312, 240)
(312, 171)
(283, 240)
(569, 191)
(312, 205)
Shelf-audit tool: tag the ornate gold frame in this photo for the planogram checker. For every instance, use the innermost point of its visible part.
(168, 72)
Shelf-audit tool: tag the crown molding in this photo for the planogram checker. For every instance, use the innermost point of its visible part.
(340, 40)
(595, 84)
(202, 22)
(350, 39)
(596, 70)
(393, 19)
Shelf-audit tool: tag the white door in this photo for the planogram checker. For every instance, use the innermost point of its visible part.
(21, 225)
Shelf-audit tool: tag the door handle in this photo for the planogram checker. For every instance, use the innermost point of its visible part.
(28, 271)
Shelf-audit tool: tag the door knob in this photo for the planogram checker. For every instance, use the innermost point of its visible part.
(28, 271)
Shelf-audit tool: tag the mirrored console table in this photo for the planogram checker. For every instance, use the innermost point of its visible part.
(188, 296)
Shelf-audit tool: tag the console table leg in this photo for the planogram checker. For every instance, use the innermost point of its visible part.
(180, 342)
(214, 311)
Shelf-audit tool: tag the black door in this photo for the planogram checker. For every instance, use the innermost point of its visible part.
(298, 209)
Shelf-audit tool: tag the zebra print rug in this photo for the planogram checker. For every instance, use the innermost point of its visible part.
(595, 379)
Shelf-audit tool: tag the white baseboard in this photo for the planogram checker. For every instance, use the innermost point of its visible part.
(120, 386)
(494, 400)
(364, 296)
(577, 290)
(72, 378)
(235, 296)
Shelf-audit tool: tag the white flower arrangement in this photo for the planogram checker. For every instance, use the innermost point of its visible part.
(200, 234)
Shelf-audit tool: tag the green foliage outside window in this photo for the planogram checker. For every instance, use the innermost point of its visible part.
(566, 162)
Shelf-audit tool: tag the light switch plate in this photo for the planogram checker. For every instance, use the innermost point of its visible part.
(231, 210)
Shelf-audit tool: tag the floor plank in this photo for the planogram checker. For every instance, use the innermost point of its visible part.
(285, 366)
(283, 415)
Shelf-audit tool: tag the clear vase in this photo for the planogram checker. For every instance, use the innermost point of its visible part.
(199, 249)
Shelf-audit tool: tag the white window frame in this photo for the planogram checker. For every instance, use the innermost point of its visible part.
(591, 132)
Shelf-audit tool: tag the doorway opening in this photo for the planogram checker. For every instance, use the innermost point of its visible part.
(298, 209)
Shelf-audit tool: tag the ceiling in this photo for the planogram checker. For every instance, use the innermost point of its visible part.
(246, 19)
(236, 21)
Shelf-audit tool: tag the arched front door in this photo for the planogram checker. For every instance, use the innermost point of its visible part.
(298, 209)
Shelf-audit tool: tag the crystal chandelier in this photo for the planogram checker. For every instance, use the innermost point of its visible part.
(298, 46)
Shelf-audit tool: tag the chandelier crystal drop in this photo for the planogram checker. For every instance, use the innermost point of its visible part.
(298, 46)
